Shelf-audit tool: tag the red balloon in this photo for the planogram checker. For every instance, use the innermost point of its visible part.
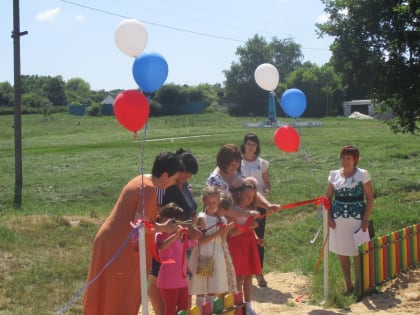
(287, 139)
(132, 109)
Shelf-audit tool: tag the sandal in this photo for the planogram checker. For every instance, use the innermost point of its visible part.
(261, 281)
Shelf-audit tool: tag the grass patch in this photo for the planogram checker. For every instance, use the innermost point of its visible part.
(75, 167)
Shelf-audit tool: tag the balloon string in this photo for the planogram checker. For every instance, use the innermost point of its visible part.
(305, 155)
(141, 147)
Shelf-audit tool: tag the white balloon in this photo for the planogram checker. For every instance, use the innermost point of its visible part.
(131, 37)
(267, 76)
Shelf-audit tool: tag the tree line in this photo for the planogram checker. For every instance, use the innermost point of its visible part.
(41, 92)
(375, 55)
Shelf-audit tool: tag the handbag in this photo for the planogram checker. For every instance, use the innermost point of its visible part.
(205, 264)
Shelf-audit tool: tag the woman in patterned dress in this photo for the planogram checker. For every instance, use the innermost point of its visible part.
(350, 190)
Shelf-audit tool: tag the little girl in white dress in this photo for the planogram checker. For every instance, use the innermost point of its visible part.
(207, 282)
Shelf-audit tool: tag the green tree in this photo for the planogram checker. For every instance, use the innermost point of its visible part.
(99, 96)
(77, 91)
(53, 89)
(171, 94)
(240, 85)
(322, 87)
(6, 94)
(34, 100)
(377, 51)
(210, 93)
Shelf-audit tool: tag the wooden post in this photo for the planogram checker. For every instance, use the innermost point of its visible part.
(16, 34)
(143, 271)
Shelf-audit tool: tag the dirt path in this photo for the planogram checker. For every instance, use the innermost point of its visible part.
(287, 292)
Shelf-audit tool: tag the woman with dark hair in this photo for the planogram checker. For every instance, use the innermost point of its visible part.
(116, 290)
(227, 175)
(348, 189)
(180, 194)
(254, 166)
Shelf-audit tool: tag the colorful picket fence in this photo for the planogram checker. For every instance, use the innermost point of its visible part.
(232, 304)
(383, 258)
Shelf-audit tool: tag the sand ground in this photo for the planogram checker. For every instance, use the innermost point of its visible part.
(287, 293)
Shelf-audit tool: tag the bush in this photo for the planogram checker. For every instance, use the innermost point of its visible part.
(94, 110)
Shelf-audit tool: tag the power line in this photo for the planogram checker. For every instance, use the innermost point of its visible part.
(153, 23)
(167, 26)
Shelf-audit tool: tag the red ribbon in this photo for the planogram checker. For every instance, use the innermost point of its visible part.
(150, 242)
(245, 227)
(322, 200)
(184, 250)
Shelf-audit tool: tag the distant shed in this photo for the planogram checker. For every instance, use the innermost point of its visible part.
(362, 106)
(78, 110)
(108, 106)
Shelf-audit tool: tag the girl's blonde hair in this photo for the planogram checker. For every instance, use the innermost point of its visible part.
(247, 184)
(209, 191)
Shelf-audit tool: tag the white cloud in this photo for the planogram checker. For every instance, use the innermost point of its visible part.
(80, 18)
(48, 15)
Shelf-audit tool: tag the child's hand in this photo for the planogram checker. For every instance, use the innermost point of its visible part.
(254, 224)
(260, 242)
(180, 232)
(231, 225)
(194, 233)
(274, 207)
(254, 213)
(224, 230)
(169, 226)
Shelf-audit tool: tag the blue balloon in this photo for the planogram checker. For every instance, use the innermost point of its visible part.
(150, 71)
(293, 102)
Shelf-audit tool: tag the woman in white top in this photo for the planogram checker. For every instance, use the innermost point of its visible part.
(254, 166)
(351, 193)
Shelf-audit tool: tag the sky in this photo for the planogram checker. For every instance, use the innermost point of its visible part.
(198, 39)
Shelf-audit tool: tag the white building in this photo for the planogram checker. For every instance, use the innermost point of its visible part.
(362, 106)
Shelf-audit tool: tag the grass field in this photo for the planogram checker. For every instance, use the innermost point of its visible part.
(74, 168)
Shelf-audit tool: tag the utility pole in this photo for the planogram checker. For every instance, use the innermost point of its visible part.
(17, 105)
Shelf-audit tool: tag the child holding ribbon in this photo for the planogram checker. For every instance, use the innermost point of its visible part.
(210, 262)
(243, 240)
(172, 280)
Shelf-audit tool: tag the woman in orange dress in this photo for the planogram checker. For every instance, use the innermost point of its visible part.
(117, 288)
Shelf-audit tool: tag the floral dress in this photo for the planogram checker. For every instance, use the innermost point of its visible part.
(223, 279)
(348, 208)
(217, 180)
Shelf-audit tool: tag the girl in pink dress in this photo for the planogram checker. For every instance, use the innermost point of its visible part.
(172, 280)
(243, 240)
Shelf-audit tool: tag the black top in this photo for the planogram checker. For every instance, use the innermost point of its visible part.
(184, 199)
